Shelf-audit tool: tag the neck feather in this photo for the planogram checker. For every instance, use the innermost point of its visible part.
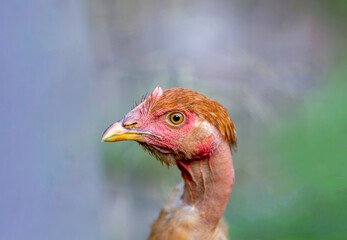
(208, 183)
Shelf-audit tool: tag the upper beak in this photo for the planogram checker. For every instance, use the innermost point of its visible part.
(117, 132)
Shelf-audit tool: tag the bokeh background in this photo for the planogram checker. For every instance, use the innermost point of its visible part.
(71, 68)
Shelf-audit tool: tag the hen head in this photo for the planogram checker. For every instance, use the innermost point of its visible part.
(175, 124)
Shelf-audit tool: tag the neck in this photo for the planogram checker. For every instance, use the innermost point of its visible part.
(208, 182)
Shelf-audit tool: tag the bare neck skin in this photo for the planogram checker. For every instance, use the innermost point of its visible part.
(208, 183)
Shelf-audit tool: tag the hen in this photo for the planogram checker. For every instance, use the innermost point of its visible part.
(184, 128)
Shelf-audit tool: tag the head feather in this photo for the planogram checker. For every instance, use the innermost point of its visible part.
(189, 100)
(145, 104)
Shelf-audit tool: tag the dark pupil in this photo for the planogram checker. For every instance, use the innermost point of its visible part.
(176, 118)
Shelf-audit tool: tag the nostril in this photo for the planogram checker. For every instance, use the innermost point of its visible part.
(130, 125)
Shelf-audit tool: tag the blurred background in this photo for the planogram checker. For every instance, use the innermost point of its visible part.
(71, 68)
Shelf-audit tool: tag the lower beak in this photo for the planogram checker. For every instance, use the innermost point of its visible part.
(116, 132)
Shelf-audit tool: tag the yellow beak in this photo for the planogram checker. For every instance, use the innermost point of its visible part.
(116, 132)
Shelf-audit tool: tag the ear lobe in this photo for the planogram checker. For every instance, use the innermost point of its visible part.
(156, 94)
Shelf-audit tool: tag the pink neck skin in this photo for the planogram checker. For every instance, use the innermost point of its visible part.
(208, 183)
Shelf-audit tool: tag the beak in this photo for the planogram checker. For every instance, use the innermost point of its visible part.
(117, 132)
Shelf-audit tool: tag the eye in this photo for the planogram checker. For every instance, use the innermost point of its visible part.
(176, 118)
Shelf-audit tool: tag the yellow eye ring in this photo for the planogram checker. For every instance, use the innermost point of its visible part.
(176, 118)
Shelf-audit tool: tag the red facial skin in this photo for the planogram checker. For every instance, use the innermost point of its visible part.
(160, 125)
(171, 136)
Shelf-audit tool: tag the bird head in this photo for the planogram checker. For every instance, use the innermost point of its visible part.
(175, 124)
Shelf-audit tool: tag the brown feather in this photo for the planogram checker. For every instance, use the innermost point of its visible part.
(192, 101)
